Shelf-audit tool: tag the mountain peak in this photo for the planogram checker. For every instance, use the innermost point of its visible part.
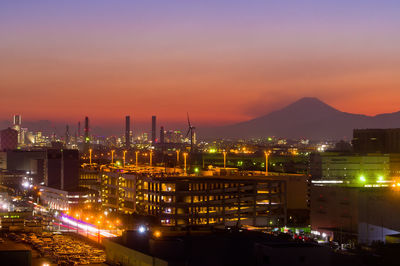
(310, 103)
(309, 100)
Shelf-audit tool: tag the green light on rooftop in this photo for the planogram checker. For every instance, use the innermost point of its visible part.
(380, 178)
(362, 178)
(196, 170)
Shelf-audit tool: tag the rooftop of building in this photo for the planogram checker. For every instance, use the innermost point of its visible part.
(12, 246)
(224, 245)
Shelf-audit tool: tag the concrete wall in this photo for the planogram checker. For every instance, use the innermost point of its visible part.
(379, 214)
(334, 208)
(368, 214)
(117, 253)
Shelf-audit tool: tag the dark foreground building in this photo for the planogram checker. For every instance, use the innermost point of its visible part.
(13, 254)
(62, 169)
(218, 247)
(376, 140)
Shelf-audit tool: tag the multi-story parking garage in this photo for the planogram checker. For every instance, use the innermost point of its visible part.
(198, 200)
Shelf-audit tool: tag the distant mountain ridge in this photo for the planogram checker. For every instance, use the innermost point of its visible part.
(306, 118)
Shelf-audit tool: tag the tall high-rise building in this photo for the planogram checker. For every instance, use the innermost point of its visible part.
(127, 131)
(17, 121)
(153, 129)
(61, 169)
(67, 135)
(87, 138)
(162, 135)
(79, 129)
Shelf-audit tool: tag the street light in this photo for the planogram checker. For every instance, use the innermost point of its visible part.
(157, 233)
(224, 152)
(90, 157)
(112, 157)
(124, 157)
(267, 153)
(137, 158)
(142, 229)
(151, 158)
(98, 231)
(184, 157)
(177, 156)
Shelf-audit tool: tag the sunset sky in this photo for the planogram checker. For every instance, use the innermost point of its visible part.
(221, 61)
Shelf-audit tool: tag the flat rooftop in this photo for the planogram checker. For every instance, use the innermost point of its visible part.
(12, 246)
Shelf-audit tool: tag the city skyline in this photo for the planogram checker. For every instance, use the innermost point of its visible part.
(222, 63)
(308, 107)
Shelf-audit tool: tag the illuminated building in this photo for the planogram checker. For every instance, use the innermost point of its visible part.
(153, 129)
(57, 199)
(173, 136)
(198, 200)
(14, 179)
(8, 139)
(17, 121)
(228, 201)
(90, 178)
(350, 167)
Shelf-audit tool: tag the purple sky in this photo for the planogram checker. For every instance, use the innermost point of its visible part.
(222, 61)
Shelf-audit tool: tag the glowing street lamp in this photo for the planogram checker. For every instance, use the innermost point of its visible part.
(184, 157)
(157, 234)
(98, 231)
(142, 229)
(151, 158)
(224, 152)
(124, 157)
(177, 156)
(266, 153)
(112, 157)
(137, 158)
(90, 156)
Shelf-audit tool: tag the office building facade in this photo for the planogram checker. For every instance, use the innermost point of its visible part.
(200, 200)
